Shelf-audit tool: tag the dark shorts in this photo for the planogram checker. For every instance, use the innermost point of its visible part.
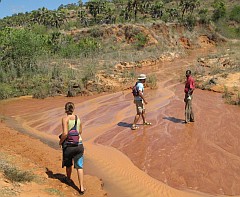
(73, 153)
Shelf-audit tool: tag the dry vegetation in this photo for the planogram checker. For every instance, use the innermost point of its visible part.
(220, 71)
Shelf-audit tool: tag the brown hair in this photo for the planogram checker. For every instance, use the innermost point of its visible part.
(69, 107)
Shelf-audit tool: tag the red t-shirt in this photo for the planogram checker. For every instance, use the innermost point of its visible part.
(190, 83)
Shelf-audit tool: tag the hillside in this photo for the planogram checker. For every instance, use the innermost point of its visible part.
(82, 50)
(76, 48)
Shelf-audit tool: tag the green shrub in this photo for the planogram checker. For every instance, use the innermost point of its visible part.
(235, 14)
(141, 40)
(41, 91)
(89, 46)
(39, 29)
(19, 51)
(130, 32)
(7, 192)
(203, 16)
(226, 30)
(189, 22)
(6, 91)
(88, 74)
(227, 95)
(219, 10)
(15, 175)
(152, 81)
(70, 50)
(96, 32)
(70, 25)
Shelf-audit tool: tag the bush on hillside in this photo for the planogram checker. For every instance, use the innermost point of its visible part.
(19, 51)
(41, 92)
(5, 91)
(203, 16)
(89, 46)
(189, 22)
(219, 10)
(152, 81)
(141, 40)
(15, 175)
(235, 14)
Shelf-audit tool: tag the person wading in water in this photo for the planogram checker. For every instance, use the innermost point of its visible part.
(139, 101)
(189, 88)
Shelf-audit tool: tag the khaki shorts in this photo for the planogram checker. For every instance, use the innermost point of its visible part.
(139, 107)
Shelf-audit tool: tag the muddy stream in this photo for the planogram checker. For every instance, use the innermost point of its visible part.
(168, 158)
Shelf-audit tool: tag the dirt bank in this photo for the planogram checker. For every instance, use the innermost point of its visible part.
(29, 154)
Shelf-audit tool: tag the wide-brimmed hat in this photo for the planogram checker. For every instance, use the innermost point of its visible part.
(142, 76)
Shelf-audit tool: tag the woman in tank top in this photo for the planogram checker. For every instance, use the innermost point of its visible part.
(72, 150)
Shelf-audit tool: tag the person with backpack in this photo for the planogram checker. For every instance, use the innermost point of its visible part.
(139, 101)
(72, 145)
(188, 90)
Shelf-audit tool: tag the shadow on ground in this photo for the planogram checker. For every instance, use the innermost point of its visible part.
(175, 120)
(124, 124)
(62, 178)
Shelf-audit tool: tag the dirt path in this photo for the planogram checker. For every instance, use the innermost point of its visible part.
(201, 159)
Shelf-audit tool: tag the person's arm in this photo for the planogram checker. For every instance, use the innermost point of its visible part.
(141, 95)
(80, 128)
(191, 86)
(190, 92)
(64, 130)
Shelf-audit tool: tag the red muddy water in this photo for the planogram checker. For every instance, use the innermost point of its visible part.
(203, 156)
(198, 159)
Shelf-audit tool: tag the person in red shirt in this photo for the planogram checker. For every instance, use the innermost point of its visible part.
(189, 88)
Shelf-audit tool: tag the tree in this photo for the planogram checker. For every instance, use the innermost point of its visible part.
(157, 10)
(80, 3)
(188, 6)
(219, 10)
(203, 15)
(96, 6)
(172, 13)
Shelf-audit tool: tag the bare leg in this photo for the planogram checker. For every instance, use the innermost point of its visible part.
(136, 119)
(143, 116)
(80, 179)
(69, 172)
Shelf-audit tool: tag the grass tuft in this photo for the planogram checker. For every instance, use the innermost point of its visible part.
(16, 175)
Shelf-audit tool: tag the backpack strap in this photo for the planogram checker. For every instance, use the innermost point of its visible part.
(75, 124)
(136, 85)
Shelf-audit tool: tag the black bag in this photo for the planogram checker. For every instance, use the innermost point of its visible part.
(135, 91)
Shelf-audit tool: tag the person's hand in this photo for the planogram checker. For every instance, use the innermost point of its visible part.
(146, 102)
